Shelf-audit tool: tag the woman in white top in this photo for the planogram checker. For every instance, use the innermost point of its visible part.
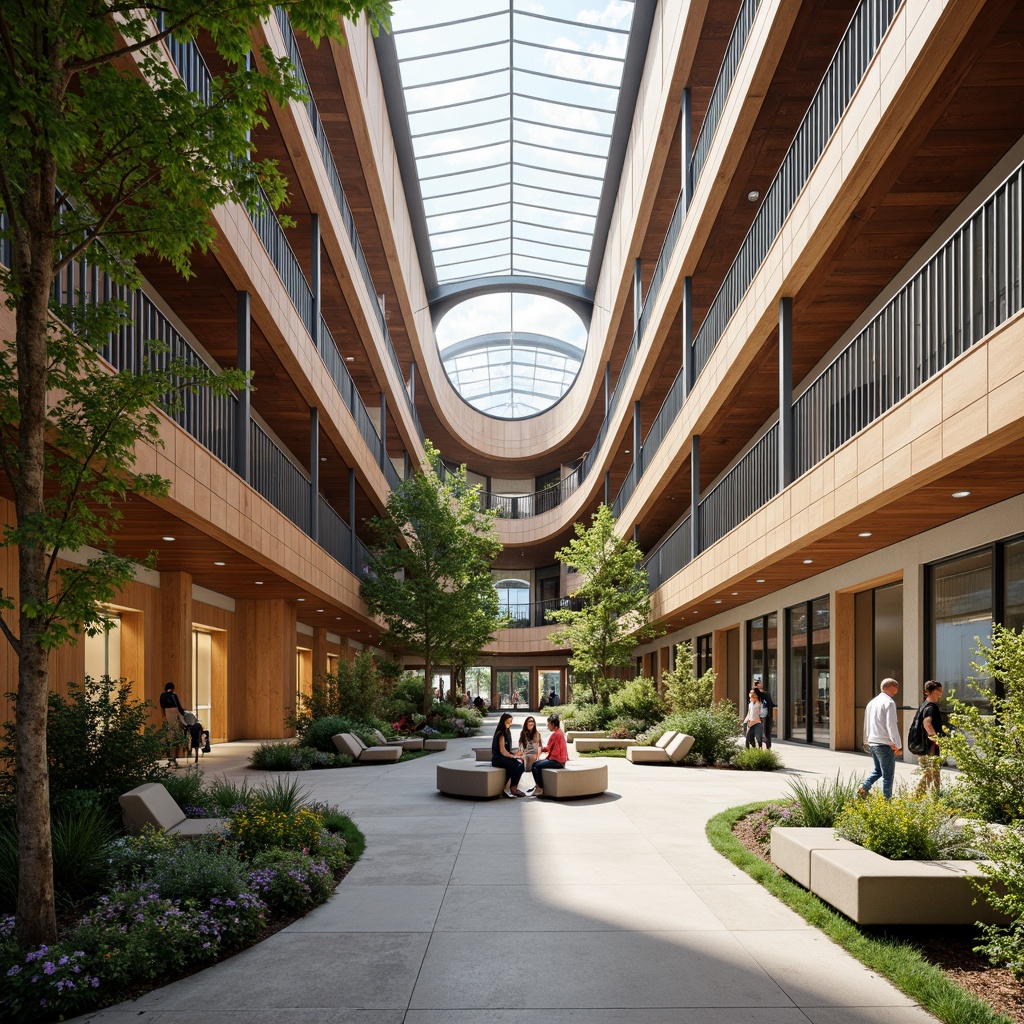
(529, 743)
(752, 723)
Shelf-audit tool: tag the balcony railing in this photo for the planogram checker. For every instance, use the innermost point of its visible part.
(720, 93)
(277, 478)
(855, 52)
(537, 613)
(973, 284)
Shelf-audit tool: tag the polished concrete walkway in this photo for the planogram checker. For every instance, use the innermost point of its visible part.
(599, 911)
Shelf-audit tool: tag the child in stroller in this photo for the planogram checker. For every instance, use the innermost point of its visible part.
(198, 737)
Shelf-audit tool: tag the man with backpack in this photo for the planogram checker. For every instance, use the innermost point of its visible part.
(767, 711)
(933, 722)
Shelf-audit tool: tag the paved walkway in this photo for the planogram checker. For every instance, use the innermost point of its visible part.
(600, 911)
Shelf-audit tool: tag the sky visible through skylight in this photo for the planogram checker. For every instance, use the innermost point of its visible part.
(511, 105)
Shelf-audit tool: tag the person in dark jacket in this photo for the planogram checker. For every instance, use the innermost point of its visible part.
(933, 722)
(170, 704)
(767, 711)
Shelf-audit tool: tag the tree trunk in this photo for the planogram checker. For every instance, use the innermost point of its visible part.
(35, 917)
(428, 687)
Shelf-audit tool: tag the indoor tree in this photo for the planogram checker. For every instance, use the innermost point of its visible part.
(429, 573)
(108, 157)
(615, 604)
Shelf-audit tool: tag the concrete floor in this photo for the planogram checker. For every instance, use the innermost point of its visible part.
(598, 911)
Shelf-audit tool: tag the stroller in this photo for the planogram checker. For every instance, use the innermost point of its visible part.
(198, 737)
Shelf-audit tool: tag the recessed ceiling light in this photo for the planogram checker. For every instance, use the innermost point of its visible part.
(259, 583)
(323, 458)
(956, 494)
(337, 618)
(625, 451)
(718, 602)
(300, 599)
(319, 609)
(350, 359)
(167, 538)
(864, 533)
(220, 563)
(808, 561)
(753, 195)
(735, 593)
(759, 581)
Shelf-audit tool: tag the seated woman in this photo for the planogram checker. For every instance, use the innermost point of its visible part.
(557, 751)
(529, 743)
(502, 757)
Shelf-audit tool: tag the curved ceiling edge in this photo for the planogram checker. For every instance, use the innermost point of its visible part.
(446, 296)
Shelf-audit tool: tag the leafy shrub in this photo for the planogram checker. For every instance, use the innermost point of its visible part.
(987, 745)
(320, 734)
(683, 690)
(763, 821)
(259, 828)
(756, 759)
(98, 737)
(624, 728)
(905, 828)
(335, 821)
(278, 795)
(291, 882)
(639, 700)
(222, 798)
(132, 858)
(80, 838)
(823, 802)
(1002, 884)
(714, 732)
(197, 871)
(584, 717)
(186, 787)
(287, 757)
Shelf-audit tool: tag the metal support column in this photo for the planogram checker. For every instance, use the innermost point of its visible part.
(638, 455)
(608, 487)
(314, 274)
(687, 149)
(785, 393)
(695, 496)
(638, 297)
(314, 473)
(352, 518)
(243, 408)
(607, 386)
(687, 335)
(383, 430)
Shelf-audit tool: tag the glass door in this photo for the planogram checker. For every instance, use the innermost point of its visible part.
(809, 689)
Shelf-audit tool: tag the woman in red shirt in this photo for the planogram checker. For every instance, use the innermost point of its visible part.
(557, 751)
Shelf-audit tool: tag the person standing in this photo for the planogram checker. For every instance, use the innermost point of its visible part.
(767, 711)
(502, 757)
(557, 751)
(882, 735)
(752, 724)
(933, 722)
(170, 704)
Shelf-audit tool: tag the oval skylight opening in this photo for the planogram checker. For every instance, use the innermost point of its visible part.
(511, 354)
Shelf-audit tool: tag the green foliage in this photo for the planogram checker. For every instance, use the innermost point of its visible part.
(905, 828)
(757, 759)
(320, 734)
(222, 797)
(713, 730)
(187, 787)
(99, 737)
(197, 871)
(285, 796)
(429, 574)
(290, 881)
(256, 829)
(584, 717)
(683, 690)
(989, 746)
(336, 821)
(616, 604)
(638, 700)
(80, 838)
(287, 757)
(1002, 885)
(823, 801)
(763, 820)
(624, 728)
(355, 690)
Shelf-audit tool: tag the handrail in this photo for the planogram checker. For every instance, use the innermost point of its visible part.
(537, 613)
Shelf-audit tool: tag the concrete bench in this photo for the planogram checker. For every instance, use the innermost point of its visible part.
(583, 734)
(435, 744)
(349, 743)
(482, 753)
(470, 779)
(871, 889)
(151, 804)
(574, 780)
(584, 746)
(670, 749)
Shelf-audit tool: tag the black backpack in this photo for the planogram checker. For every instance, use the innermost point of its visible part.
(917, 738)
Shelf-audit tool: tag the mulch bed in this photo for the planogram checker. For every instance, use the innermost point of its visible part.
(949, 949)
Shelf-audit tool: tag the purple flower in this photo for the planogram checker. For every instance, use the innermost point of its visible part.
(48, 967)
(13, 971)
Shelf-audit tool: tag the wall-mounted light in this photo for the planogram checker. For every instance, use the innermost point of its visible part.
(753, 195)
(956, 494)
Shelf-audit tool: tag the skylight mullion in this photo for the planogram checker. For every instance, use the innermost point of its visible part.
(548, 259)
(471, 227)
(557, 78)
(589, 54)
(560, 127)
(564, 103)
(461, 263)
(603, 157)
(460, 49)
(465, 192)
(468, 170)
(462, 128)
(553, 227)
(555, 191)
(574, 24)
(554, 170)
(458, 78)
(447, 24)
(550, 244)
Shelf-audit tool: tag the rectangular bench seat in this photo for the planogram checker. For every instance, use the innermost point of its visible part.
(584, 745)
(151, 804)
(670, 749)
(349, 743)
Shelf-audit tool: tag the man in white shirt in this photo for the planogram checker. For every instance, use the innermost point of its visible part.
(882, 735)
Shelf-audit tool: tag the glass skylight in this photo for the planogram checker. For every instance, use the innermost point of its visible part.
(511, 105)
(511, 355)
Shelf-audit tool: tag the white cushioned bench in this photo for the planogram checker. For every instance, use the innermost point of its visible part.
(470, 778)
(349, 743)
(584, 746)
(670, 749)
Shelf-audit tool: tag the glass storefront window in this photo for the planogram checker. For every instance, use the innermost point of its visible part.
(809, 703)
(703, 655)
(763, 653)
(961, 611)
(1013, 584)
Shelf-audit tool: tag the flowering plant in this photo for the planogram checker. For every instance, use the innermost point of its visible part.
(290, 881)
(258, 828)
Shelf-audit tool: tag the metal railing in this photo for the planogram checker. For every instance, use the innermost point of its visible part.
(277, 478)
(335, 534)
(844, 73)
(537, 613)
(625, 491)
(749, 485)
(344, 210)
(670, 556)
(286, 263)
(720, 93)
(967, 289)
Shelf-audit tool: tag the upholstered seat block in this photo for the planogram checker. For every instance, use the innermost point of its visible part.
(482, 753)
(791, 849)
(584, 734)
(151, 804)
(435, 744)
(575, 780)
(584, 746)
(347, 743)
(647, 755)
(413, 743)
(470, 779)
